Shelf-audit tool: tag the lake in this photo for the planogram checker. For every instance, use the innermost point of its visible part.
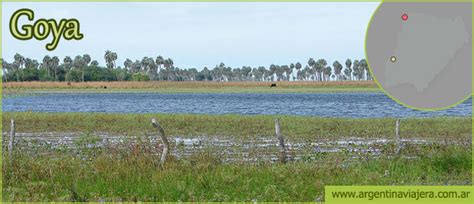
(346, 105)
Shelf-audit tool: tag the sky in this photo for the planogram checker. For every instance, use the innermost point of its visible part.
(196, 35)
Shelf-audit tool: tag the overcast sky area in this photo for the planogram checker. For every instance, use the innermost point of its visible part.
(196, 35)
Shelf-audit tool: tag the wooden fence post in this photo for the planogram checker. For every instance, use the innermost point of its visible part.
(161, 131)
(397, 135)
(281, 141)
(11, 142)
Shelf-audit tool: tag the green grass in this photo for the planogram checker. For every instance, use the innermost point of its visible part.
(237, 126)
(134, 176)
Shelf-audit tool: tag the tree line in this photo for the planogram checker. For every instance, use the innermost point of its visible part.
(82, 68)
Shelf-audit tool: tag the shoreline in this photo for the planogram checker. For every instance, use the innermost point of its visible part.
(192, 87)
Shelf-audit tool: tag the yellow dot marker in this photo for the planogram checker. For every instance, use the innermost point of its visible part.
(393, 59)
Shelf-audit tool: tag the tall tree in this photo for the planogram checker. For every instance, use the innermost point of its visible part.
(128, 65)
(54, 66)
(320, 66)
(110, 58)
(337, 69)
(288, 70)
(355, 69)
(5, 69)
(312, 65)
(298, 68)
(80, 64)
(94, 63)
(307, 73)
(159, 62)
(273, 70)
(67, 63)
(327, 71)
(260, 73)
(87, 59)
(46, 65)
(31, 64)
(348, 70)
(364, 67)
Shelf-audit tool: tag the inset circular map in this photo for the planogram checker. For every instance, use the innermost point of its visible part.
(421, 53)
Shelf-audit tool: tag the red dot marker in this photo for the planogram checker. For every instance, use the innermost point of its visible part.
(405, 17)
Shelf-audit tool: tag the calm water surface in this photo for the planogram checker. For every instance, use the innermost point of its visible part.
(351, 105)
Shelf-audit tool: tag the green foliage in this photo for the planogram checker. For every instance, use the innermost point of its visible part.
(74, 75)
(30, 74)
(44, 76)
(140, 77)
(134, 175)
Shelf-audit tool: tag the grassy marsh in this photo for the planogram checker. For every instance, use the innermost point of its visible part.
(238, 126)
(134, 174)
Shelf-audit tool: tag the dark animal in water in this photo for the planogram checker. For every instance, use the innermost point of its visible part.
(273, 85)
(105, 87)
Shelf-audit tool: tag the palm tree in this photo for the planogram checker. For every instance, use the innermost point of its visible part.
(219, 72)
(298, 67)
(292, 66)
(95, 63)
(320, 65)
(260, 73)
(227, 73)
(4, 69)
(337, 69)
(364, 69)
(87, 59)
(144, 63)
(355, 69)
(280, 70)
(273, 70)
(207, 74)
(46, 64)
(348, 70)
(67, 62)
(136, 66)
(54, 65)
(160, 61)
(312, 63)
(246, 72)
(288, 71)
(107, 59)
(110, 58)
(306, 72)
(128, 65)
(168, 64)
(152, 68)
(80, 63)
(31, 64)
(19, 60)
(327, 71)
